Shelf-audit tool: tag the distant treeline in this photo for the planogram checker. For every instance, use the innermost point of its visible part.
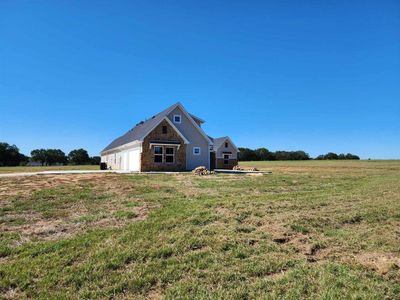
(10, 156)
(332, 155)
(247, 154)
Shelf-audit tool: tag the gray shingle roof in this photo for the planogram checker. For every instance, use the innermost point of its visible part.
(197, 118)
(218, 141)
(140, 130)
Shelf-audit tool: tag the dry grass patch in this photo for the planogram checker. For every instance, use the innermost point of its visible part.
(308, 231)
(52, 207)
(379, 262)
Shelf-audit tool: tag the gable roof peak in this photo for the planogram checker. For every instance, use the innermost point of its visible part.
(140, 130)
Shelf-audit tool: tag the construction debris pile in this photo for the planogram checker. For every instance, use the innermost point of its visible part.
(253, 169)
(237, 168)
(201, 171)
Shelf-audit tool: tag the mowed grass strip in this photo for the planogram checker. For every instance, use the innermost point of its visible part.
(23, 169)
(296, 234)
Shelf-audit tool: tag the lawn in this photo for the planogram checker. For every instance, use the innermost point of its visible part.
(309, 230)
(46, 168)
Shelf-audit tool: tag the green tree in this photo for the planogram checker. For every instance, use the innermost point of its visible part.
(331, 155)
(39, 155)
(55, 156)
(49, 156)
(351, 156)
(341, 156)
(95, 160)
(10, 156)
(78, 157)
(264, 154)
(247, 154)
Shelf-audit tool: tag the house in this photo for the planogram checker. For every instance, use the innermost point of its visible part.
(172, 140)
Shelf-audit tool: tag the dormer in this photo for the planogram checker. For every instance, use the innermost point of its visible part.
(197, 120)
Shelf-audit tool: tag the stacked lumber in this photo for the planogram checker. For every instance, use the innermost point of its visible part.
(238, 168)
(201, 171)
(253, 169)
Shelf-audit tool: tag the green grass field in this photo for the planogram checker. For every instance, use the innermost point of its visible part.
(309, 230)
(47, 168)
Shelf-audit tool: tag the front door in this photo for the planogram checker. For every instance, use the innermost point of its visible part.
(212, 160)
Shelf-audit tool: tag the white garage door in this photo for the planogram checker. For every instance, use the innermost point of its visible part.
(134, 160)
(125, 165)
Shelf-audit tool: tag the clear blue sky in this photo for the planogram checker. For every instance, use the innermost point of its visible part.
(313, 75)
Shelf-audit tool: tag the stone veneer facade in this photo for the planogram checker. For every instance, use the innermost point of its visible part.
(220, 164)
(147, 158)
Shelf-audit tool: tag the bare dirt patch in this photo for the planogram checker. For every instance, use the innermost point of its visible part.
(379, 262)
(55, 229)
(26, 185)
(12, 293)
(300, 242)
(223, 211)
(77, 212)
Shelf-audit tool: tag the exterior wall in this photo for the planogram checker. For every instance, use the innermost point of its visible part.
(115, 159)
(196, 139)
(220, 163)
(147, 159)
(220, 154)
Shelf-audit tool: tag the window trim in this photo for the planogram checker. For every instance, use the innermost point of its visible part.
(226, 160)
(195, 148)
(158, 154)
(180, 119)
(170, 155)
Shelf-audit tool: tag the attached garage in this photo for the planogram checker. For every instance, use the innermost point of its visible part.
(134, 160)
(126, 158)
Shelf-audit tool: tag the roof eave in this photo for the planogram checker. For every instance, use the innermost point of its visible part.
(124, 146)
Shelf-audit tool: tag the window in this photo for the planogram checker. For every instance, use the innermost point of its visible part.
(169, 155)
(226, 144)
(226, 159)
(177, 119)
(164, 129)
(158, 154)
(196, 150)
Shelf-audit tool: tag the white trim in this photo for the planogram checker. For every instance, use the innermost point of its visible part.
(172, 125)
(122, 147)
(180, 119)
(197, 154)
(164, 144)
(178, 104)
(224, 159)
(193, 122)
(177, 130)
(140, 157)
(229, 139)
